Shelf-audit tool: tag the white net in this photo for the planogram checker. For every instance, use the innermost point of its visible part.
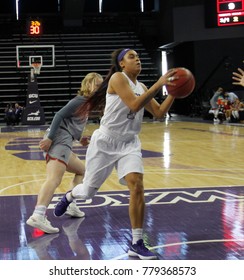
(36, 67)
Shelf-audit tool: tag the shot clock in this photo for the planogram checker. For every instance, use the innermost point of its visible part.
(224, 13)
(34, 28)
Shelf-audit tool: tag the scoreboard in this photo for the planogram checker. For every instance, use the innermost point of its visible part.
(230, 12)
(224, 13)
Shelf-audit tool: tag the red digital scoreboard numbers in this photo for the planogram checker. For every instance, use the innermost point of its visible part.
(34, 28)
(230, 12)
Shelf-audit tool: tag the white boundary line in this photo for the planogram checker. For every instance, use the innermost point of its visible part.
(185, 243)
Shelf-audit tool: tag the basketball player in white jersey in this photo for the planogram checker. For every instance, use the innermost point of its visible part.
(116, 142)
(65, 128)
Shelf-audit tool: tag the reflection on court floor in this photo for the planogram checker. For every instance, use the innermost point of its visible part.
(194, 191)
(180, 224)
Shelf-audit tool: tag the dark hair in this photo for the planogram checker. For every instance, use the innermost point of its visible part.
(98, 98)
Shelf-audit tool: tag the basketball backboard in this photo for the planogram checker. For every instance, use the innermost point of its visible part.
(27, 54)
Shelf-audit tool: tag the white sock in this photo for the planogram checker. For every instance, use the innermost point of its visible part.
(40, 210)
(69, 196)
(136, 235)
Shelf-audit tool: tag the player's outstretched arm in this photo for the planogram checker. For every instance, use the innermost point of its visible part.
(238, 77)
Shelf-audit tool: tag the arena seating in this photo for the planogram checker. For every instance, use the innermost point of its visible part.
(76, 55)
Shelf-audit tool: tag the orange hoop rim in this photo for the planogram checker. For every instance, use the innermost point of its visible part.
(36, 64)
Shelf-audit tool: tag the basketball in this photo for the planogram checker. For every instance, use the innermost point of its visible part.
(184, 85)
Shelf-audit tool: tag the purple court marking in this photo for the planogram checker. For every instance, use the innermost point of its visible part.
(180, 224)
(29, 147)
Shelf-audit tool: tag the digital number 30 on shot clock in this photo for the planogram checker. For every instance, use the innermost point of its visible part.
(34, 28)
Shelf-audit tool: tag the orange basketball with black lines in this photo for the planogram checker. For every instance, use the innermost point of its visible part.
(184, 85)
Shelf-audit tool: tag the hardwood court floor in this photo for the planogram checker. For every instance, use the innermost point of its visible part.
(193, 188)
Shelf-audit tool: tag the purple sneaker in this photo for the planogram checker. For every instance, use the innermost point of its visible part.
(139, 250)
(61, 206)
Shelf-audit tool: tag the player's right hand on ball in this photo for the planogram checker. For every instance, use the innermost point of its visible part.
(169, 77)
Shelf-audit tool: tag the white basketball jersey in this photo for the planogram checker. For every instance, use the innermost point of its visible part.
(118, 118)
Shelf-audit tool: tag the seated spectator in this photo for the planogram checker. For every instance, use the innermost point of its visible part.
(223, 105)
(217, 106)
(18, 112)
(231, 96)
(9, 114)
(214, 99)
(235, 108)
